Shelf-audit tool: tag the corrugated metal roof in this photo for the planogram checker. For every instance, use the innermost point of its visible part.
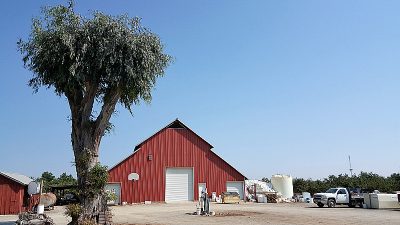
(19, 178)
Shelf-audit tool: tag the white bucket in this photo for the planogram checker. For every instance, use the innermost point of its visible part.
(40, 209)
(261, 198)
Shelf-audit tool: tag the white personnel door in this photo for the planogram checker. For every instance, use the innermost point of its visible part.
(178, 184)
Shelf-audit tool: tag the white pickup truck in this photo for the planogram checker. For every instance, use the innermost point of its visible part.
(339, 196)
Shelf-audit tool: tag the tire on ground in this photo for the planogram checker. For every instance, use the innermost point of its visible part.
(331, 203)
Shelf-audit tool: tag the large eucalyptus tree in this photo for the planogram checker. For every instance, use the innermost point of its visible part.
(102, 60)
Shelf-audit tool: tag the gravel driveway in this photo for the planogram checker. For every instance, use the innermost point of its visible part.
(244, 213)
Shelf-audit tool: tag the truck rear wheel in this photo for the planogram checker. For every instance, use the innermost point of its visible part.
(320, 204)
(331, 203)
(352, 205)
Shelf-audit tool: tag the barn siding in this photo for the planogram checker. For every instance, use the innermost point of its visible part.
(171, 147)
(11, 196)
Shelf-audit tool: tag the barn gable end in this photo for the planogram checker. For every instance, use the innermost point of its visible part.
(173, 150)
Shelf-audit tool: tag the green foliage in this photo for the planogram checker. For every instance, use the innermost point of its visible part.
(83, 160)
(102, 53)
(369, 181)
(110, 196)
(96, 180)
(47, 177)
(50, 180)
(65, 179)
(73, 211)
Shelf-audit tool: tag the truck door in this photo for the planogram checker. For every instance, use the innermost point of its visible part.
(342, 196)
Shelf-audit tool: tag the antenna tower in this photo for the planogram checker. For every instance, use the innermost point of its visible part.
(351, 169)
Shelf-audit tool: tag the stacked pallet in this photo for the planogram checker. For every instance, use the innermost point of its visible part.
(272, 197)
(230, 197)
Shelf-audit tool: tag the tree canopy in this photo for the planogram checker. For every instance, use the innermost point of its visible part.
(103, 57)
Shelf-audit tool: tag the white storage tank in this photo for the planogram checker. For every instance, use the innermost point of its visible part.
(283, 184)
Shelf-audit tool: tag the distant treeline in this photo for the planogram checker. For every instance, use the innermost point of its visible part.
(364, 180)
(50, 180)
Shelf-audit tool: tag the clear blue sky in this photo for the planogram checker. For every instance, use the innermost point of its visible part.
(290, 87)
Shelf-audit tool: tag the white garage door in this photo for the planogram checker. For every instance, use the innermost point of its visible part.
(179, 184)
(235, 186)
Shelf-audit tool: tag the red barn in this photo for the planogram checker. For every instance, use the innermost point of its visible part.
(174, 164)
(13, 193)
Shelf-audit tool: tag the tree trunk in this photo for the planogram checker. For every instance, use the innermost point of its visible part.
(86, 148)
(86, 136)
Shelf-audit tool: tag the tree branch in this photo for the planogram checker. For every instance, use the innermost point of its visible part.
(110, 100)
(74, 97)
(88, 100)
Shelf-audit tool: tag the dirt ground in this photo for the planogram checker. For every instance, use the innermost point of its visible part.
(244, 213)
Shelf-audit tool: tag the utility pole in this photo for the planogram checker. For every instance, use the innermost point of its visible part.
(351, 169)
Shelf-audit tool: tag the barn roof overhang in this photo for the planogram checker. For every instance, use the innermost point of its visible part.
(19, 178)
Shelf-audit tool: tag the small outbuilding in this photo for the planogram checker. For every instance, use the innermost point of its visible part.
(174, 164)
(14, 196)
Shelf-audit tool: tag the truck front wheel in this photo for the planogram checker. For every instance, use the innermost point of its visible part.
(331, 203)
(320, 204)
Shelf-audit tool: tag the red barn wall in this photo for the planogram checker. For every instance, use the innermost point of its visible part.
(171, 147)
(11, 196)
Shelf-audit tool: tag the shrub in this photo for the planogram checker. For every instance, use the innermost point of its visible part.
(73, 211)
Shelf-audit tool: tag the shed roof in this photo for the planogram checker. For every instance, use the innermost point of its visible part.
(19, 178)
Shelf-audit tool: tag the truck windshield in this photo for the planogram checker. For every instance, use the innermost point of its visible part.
(331, 190)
